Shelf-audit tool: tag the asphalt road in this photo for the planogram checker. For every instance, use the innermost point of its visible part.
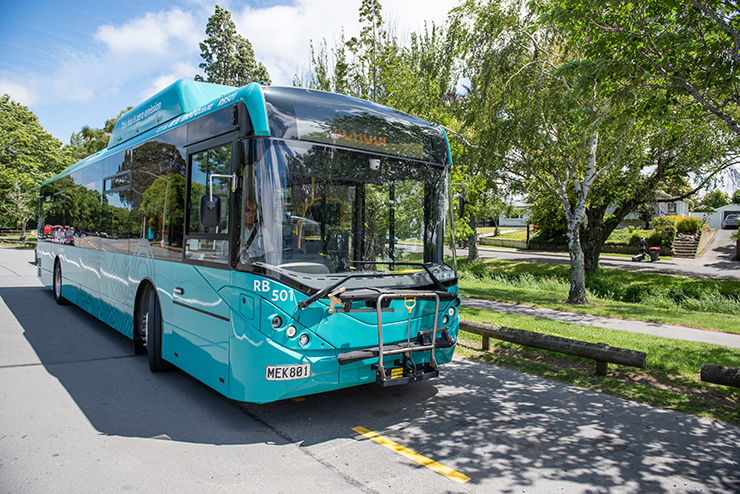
(80, 413)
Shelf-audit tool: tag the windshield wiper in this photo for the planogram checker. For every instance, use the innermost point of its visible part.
(402, 263)
(327, 290)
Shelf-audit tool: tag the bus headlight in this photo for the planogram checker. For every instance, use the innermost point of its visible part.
(445, 320)
(277, 321)
(451, 311)
(304, 340)
(291, 331)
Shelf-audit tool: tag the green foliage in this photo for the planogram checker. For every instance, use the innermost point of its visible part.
(666, 227)
(688, 224)
(654, 238)
(736, 197)
(28, 156)
(229, 57)
(679, 50)
(549, 218)
(713, 200)
(368, 66)
(89, 141)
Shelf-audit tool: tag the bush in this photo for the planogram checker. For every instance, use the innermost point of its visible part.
(654, 238)
(665, 226)
(687, 224)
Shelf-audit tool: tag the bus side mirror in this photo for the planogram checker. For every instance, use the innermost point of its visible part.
(210, 210)
(461, 203)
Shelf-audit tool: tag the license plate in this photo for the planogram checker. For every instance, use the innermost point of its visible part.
(287, 372)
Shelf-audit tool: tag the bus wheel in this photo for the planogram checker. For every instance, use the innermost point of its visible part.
(153, 325)
(58, 283)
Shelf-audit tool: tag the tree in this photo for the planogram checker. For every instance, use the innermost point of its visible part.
(666, 150)
(530, 106)
(368, 46)
(229, 57)
(89, 141)
(534, 127)
(677, 48)
(736, 197)
(362, 65)
(28, 156)
(714, 199)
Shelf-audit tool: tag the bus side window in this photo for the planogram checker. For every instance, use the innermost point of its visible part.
(209, 242)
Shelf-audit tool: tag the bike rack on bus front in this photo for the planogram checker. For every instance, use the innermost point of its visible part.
(406, 370)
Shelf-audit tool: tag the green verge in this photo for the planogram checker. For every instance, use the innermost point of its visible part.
(671, 379)
(695, 302)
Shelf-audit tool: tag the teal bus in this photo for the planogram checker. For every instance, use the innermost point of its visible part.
(272, 242)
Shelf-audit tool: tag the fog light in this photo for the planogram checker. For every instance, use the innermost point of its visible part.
(303, 340)
(291, 331)
(445, 320)
(277, 321)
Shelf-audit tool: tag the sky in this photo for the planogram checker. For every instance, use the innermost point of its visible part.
(81, 63)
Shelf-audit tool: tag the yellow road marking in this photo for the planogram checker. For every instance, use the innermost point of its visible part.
(411, 455)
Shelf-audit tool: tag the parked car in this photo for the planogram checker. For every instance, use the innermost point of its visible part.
(731, 220)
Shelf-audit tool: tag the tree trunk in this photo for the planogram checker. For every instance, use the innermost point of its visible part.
(592, 241)
(591, 244)
(598, 229)
(473, 241)
(577, 294)
(23, 230)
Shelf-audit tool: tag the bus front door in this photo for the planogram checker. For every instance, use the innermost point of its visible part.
(201, 325)
(201, 318)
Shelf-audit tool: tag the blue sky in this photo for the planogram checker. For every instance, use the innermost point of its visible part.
(80, 63)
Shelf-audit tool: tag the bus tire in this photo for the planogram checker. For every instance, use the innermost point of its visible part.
(153, 324)
(57, 284)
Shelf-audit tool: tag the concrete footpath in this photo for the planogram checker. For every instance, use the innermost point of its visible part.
(651, 328)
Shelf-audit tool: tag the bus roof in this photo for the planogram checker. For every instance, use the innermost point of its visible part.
(181, 97)
(186, 100)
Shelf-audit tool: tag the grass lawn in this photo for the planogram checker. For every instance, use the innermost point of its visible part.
(695, 302)
(14, 240)
(671, 379)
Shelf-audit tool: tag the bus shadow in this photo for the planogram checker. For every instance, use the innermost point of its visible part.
(115, 389)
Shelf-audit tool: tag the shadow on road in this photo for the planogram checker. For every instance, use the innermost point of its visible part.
(115, 389)
(497, 426)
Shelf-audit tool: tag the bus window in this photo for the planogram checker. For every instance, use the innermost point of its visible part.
(330, 211)
(204, 243)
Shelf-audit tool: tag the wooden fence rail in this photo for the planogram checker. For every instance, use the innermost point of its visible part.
(600, 352)
(719, 374)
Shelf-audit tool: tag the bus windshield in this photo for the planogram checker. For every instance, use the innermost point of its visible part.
(316, 214)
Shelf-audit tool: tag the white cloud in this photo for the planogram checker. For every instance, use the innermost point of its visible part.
(20, 93)
(161, 43)
(281, 35)
(154, 35)
(178, 70)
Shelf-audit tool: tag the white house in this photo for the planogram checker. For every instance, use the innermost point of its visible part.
(674, 207)
(520, 213)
